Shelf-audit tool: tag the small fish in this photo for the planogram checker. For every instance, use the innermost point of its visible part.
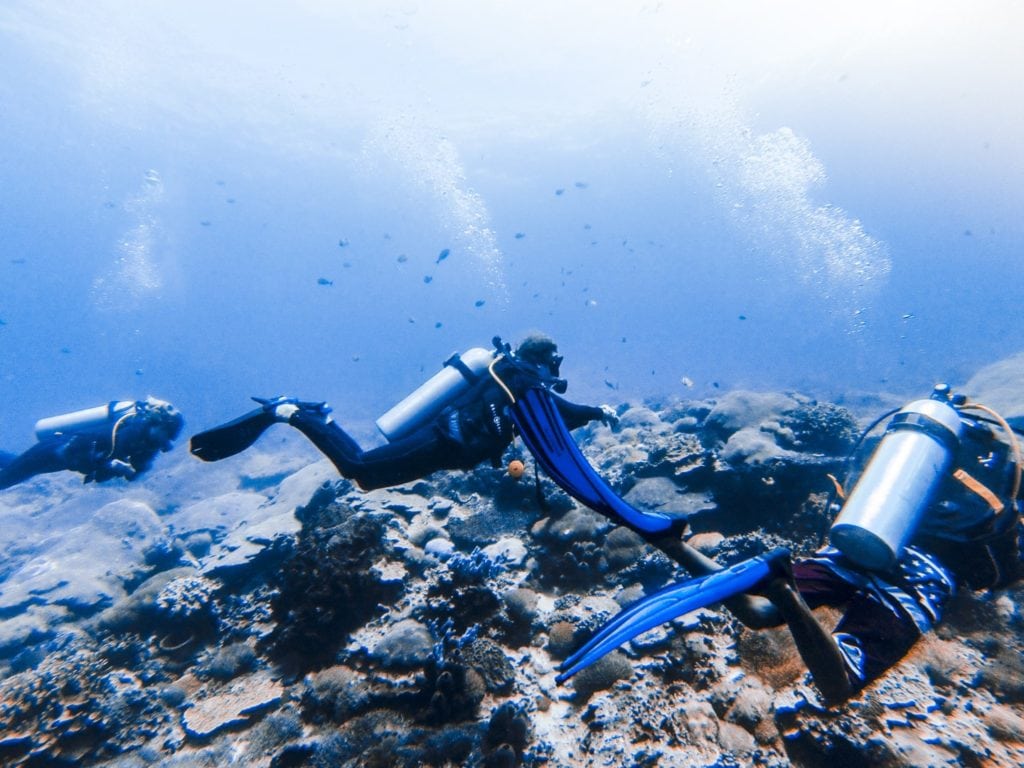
(342, 243)
(2, 321)
(412, 319)
(230, 200)
(65, 351)
(587, 226)
(610, 384)
(687, 382)
(968, 233)
(402, 258)
(324, 281)
(442, 255)
(346, 264)
(907, 316)
(581, 185)
(205, 222)
(138, 371)
(479, 303)
(714, 384)
(438, 324)
(743, 317)
(520, 235)
(17, 261)
(428, 279)
(559, 191)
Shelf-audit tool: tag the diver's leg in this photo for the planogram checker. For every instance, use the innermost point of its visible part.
(402, 461)
(47, 456)
(329, 438)
(753, 611)
(817, 647)
(411, 458)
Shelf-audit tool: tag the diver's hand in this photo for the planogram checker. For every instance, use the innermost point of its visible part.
(109, 470)
(608, 416)
(118, 468)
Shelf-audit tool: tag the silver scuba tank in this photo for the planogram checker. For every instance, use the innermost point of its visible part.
(459, 373)
(887, 503)
(78, 421)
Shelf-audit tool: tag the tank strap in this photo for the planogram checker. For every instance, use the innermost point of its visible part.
(977, 487)
(455, 361)
(919, 422)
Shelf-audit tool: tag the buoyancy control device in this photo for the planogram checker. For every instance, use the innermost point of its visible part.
(459, 373)
(84, 420)
(913, 459)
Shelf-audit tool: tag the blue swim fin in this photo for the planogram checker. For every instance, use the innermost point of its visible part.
(549, 440)
(669, 604)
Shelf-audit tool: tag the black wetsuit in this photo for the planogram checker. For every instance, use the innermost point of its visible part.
(99, 454)
(474, 429)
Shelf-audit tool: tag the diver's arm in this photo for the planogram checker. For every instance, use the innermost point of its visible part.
(575, 415)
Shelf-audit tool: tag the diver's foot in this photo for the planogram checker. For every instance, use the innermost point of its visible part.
(780, 565)
(283, 408)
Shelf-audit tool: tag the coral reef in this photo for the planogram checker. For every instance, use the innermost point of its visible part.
(294, 621)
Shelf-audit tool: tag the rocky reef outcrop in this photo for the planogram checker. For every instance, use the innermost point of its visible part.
(281, 618)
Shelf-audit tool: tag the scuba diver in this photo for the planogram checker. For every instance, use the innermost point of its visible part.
(936, 507)
(456, 420)
(120, 439)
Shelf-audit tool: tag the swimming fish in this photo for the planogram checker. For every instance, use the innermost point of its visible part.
(324, 281)
(687, 382)
(342, 243)
(520, 235)
(479, 303)
(559, 191)
(442, 255)
(427, 278)
(402, 258)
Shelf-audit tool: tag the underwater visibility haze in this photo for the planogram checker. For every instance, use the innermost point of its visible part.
(750, 227)
(206, 202)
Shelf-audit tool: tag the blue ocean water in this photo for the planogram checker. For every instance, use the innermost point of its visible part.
(208, 203)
